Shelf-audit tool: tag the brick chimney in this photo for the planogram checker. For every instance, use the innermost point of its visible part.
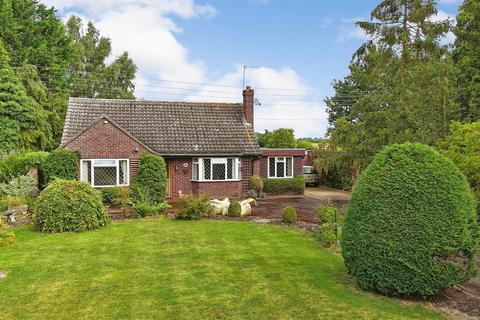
(248, 104)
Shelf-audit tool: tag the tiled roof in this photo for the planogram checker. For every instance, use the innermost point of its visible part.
(169, 128)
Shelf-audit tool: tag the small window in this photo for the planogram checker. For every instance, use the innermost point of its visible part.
(280, 167)
(105, 172)
(216, 169)
(195, 170)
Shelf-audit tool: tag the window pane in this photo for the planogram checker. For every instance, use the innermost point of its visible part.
(86, 173)
(218, 171)
(280, 169)
(289, 167)
(206, 169)
(271, 167)
(229, 168)
(123, 171)
(105, 176)
(195, 175)
(104, 162)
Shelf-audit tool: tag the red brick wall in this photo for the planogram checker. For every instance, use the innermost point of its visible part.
(106, 141)
(297, 166)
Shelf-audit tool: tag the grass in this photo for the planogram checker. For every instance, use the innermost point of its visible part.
(164, 269)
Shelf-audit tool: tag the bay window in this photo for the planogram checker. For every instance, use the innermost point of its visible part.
(105, 172)
(280, 167)
(216, 169)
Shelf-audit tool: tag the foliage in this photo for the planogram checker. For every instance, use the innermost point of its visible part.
(289, 214)
(256, 184)
(91, 76)
(118, 197)
(7, 236)
(285, 185)
(305, 144)
(21, 186)
(150, 184)
(235, 209)
(329, 232)
(69, 205)
(143, 209)
(12, 201)
(61, 164)
(23, 123)
(192, 207)
(18, 164)
(465, 57)
(462, 147)
(282, 138)
(411, 226)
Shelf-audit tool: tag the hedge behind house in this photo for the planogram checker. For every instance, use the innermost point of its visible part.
(19, 164)
(294, 185)
(150, 184)
(411, 225)
(60, 164)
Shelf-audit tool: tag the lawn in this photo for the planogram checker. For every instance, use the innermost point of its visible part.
(163, 269)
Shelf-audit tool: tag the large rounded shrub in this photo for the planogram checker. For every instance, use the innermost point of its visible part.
(68, 205)
(150, 184)
(410, 227)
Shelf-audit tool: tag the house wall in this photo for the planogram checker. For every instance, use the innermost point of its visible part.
(106, 141)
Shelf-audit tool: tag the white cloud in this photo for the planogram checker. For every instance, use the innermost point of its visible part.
(146, 30)
(349, 31)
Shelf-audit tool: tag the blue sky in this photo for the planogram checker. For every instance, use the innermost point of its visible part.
(193, 50)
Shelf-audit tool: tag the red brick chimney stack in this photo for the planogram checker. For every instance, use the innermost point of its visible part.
(248, 102)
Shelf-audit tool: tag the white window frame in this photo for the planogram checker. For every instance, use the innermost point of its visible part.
(236, 167)
(117, 165)
(284, 161)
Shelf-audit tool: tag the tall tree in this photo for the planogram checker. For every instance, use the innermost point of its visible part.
(282, 138)
(23, 123)
(91, 75)
(466, 56)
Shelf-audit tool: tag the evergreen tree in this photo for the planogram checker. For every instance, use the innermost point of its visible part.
(22, 121)
(466, 56)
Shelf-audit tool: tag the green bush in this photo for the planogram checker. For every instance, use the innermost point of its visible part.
(60, 164)
(7, 236)
(193, 207)
(150, 184)
(19, 164)
(69, 205)
(411, 226)
(21, 186)
(329, 232)
(117, 197)
(288, 185)
(142, 209)
(289, 214)
(235, 209)
(256, 184)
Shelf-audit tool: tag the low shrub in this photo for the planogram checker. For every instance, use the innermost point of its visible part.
(193, 207)
(235, 209)
(117, 197)
(256, 184)
(150, 184)
(289, 214)
(7, 236)
(21, 186)
(329, 232)
(69, 205)
(411, 225)
(143, 209)
(60, 164)
(288, 185)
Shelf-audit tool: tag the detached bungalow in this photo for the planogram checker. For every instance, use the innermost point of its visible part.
(208, 147)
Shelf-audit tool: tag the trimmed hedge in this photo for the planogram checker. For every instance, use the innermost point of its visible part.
(19, 164)
(61, 164)
(411, 225)
(69, 205)
(288, 185)
(150, 184)
(289, 214)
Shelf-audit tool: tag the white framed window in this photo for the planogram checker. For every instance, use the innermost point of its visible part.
(280, 167)
(216, 169)
(105, 172)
